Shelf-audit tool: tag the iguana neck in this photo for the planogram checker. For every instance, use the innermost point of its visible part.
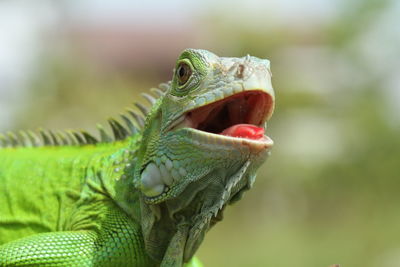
(111, 173)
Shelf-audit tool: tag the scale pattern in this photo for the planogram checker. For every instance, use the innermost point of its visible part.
(117, 243)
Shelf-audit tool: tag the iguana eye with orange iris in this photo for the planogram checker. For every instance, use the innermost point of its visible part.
(183, 72)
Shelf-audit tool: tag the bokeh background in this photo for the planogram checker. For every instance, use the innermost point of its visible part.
(330, 191)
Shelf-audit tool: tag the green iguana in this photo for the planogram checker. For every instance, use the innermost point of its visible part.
(147, 195)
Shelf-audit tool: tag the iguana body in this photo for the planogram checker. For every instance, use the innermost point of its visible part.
(147, 196)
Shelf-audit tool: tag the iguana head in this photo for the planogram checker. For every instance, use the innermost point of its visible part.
(202, 144)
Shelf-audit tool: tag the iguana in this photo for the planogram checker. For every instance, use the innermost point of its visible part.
(146, 195)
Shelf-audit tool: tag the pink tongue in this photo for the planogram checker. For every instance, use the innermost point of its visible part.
(245, 131)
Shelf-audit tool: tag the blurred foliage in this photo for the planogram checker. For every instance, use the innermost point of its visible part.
(329, 192)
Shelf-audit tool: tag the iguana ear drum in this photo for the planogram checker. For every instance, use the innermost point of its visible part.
(151, 182)
(155, 178)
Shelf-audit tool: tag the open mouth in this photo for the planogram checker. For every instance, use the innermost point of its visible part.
(241, 115)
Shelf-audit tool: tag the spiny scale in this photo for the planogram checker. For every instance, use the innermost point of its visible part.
(119, 131)
(157, 92)
(142, 109)
(138, 118)
(13, 138)
(104, 136)
(63, 139)
(89, 139)
(149, 98)
(133, 123)
(33, 138)
(131, 127)
(164, 86)
(45, 138)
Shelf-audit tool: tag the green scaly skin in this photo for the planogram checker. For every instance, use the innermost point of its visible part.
(143, 200)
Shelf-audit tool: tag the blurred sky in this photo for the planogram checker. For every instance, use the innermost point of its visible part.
(27, 25)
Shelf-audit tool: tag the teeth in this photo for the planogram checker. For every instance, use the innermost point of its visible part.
(152, 184)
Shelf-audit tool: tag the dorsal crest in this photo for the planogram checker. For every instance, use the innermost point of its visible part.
(130, 123)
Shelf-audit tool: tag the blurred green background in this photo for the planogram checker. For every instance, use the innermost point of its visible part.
(330, 191)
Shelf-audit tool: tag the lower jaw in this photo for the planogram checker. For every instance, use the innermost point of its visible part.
(255, 145)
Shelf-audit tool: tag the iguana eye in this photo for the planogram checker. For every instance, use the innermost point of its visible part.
(183, 72)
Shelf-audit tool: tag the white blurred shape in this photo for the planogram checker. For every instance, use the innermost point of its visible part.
(379, 49)
(389, 258)
(142, 13)
(310, 138)
(261, 13)
(21, 25)
(319, 69)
